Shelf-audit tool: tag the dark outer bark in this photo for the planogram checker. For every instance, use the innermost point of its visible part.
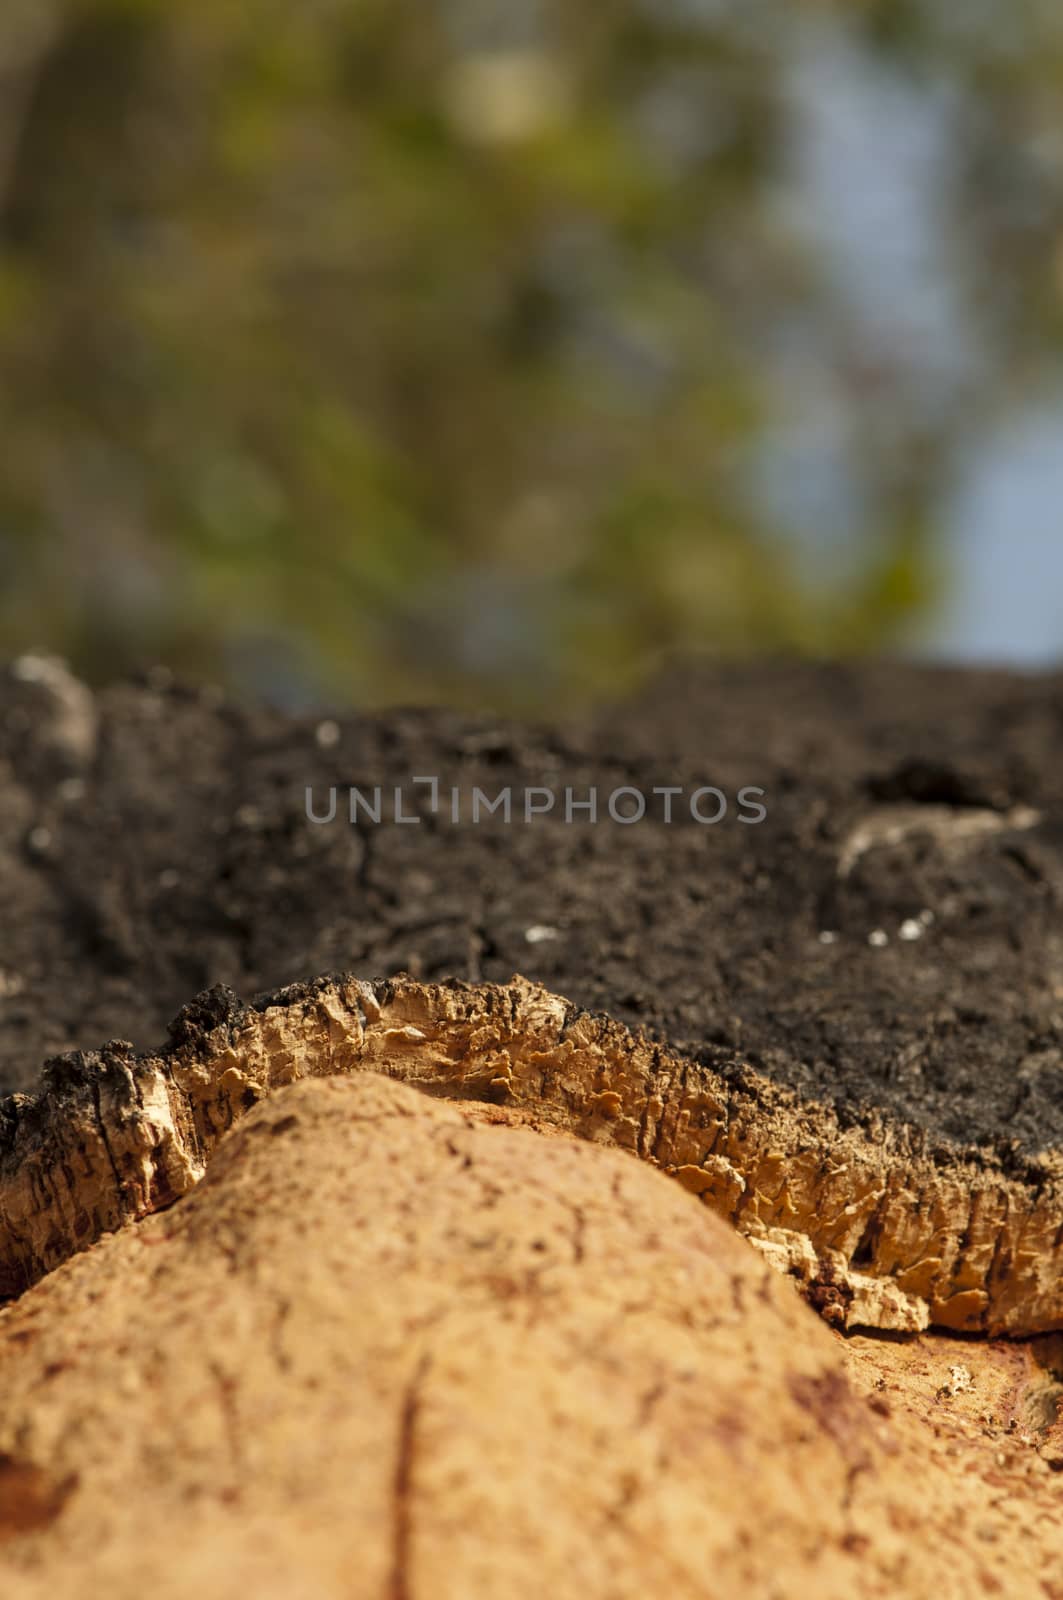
(180, 856)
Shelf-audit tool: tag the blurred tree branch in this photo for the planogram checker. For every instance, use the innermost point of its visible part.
(28, 29)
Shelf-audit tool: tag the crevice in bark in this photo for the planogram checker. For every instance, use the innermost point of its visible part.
(402, 1519)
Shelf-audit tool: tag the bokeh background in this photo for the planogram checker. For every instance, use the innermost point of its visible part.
(377, 350)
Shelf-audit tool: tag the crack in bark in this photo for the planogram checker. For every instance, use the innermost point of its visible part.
(399, 1587)
(102, 1129)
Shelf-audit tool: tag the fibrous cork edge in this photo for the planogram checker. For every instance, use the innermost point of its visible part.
(883, 1229)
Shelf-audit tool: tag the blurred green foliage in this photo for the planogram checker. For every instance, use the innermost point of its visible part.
(390, 350)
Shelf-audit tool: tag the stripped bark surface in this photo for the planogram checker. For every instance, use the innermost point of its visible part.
(393, 1346)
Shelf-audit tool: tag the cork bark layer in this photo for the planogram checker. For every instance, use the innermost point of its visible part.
(884, 1227)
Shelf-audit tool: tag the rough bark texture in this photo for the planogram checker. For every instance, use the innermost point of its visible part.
(154, 842)
(385, 1350)
(857, 1003)
(884, 1229)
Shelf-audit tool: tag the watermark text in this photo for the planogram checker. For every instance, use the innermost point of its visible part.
(407, 804)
